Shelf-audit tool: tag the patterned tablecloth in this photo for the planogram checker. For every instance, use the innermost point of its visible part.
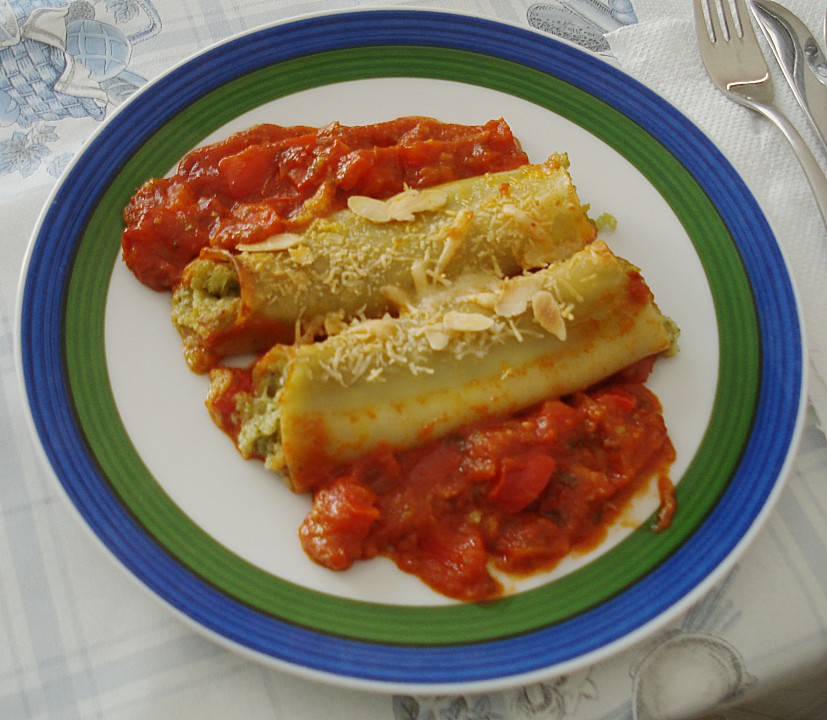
(80, 641)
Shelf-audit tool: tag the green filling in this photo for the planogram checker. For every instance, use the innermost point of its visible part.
(213, 298)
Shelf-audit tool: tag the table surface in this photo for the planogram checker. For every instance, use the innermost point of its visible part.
(82, 641)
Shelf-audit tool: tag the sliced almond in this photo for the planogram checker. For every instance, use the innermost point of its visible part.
(437, 338)
(275, 243)
(419, 273)
(515, 295)
(486, 300)
(409, 202)
(543, 248)
(467, 322)
(397, 296)
(369, 208)
(402, 207)
(548, 315)
(454, 239)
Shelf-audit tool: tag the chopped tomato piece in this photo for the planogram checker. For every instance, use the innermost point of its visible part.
(333, 533)
(521, 480)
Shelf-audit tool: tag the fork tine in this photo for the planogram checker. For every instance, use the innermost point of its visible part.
(747, 31)
(714, 20)
(730, 26)
(701, 29)
(734, 26)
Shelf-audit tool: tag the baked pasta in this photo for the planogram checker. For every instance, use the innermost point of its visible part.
(376, 257)
(481, 347)
(446, 357)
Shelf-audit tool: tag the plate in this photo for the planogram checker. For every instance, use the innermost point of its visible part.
(121, 420)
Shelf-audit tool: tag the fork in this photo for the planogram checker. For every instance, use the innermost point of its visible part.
(735, 62)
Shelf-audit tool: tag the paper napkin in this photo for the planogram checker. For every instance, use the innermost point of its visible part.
(660, 50)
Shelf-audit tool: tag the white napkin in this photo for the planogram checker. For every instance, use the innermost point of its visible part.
(660, 50)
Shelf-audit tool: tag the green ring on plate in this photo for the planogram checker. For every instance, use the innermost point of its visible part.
(699, 488)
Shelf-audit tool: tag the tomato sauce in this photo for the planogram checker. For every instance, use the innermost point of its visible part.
(272, 179)
(515, 494)
(510, 495)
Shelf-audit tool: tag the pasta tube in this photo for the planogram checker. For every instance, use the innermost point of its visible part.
(483, 347)
(376, 257)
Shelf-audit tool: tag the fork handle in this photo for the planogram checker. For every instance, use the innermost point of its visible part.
(815, 175)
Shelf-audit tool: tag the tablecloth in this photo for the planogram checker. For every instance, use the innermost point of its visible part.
(82, 641)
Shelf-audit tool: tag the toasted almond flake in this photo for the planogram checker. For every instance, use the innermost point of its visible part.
(404, 205)
(401, 207)
(369, 208)
(397, 296)
(282, 241)
(486, 300)
(467, 322)
(420, 276)
(548, 315)
(515, 295)
(454, 239)
(543, 248)
(437, 339)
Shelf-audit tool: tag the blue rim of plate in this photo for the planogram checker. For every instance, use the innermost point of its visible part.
(746, 493)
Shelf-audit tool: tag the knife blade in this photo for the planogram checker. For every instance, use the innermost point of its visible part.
(800, 58)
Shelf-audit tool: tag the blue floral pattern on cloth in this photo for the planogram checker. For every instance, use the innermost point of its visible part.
(657, 677)
(553, 700)
(61, 60)
(583, 22)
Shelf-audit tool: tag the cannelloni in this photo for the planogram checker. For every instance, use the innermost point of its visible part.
(480, 347)
(445, 355)
(376, 257)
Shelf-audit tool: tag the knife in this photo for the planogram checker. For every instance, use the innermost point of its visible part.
(801, 60)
